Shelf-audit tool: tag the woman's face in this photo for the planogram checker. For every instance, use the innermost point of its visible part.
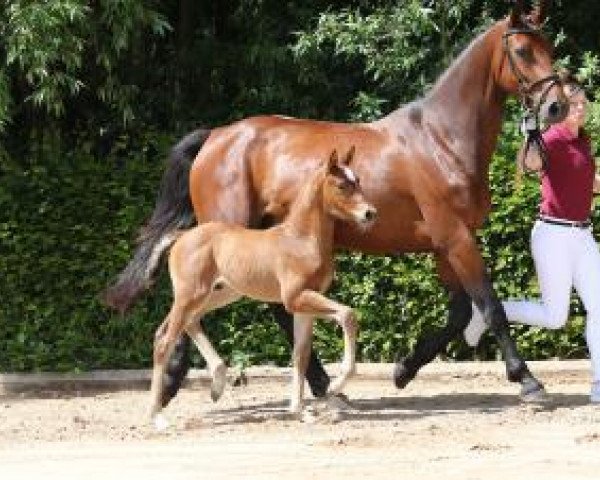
(577, 106)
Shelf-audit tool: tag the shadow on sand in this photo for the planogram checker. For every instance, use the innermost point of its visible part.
(395, 408)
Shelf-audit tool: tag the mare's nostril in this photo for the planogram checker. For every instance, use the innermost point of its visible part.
(370, 215)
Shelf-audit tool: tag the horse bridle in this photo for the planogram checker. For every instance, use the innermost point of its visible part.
(527, 87)
(531, 120)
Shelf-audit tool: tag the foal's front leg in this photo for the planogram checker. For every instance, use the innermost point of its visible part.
(317, 377)
(303, 328)
(317, 305)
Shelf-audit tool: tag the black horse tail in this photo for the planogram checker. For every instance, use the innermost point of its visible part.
(173, 211)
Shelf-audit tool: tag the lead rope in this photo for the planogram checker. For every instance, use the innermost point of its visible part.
(533, 136)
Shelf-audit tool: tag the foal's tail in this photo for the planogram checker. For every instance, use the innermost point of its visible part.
(173, 211)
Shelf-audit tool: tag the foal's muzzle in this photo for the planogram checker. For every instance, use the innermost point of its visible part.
(367, 216)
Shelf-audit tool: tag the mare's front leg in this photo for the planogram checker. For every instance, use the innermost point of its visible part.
(464, 256)
(494, 316)
(456, 244)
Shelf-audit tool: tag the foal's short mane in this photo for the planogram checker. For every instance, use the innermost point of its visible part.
(308, 194)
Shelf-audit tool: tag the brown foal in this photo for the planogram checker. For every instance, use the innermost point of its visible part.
(215, 264)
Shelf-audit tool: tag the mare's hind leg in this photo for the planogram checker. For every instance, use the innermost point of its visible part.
(317, 377)
(429, 346)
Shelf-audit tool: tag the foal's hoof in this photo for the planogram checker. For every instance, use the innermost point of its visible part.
(296, 410)
(307, 415)
(218, 382)
(160, 422)
(402, 375)
(534, 393)
(339, 402)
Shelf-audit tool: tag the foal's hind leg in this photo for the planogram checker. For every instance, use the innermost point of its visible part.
(216, 365)
(182, 311)
(164, 342)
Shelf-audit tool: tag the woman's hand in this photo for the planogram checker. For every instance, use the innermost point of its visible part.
(597, 184)
(530, 159)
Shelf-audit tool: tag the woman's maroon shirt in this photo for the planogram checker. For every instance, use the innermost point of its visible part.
(568, 180)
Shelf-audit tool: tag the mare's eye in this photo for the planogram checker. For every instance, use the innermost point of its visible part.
(525, 53)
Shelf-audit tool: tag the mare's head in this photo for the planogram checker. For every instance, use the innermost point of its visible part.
(342, 196)
(524, 64)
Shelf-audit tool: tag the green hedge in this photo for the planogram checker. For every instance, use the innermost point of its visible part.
(66, 229)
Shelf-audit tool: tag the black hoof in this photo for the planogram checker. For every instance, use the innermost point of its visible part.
(240, 380)
(533, 393)
(319, 385)
(402, 375)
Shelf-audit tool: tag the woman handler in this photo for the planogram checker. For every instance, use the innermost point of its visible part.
(563, 248)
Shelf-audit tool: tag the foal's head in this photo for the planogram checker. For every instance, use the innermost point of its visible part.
(342, 196)
(525, 65)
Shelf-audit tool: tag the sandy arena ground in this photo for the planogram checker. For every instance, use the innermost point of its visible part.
(455, 421)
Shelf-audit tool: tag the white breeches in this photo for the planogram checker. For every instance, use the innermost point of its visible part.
(564, 257)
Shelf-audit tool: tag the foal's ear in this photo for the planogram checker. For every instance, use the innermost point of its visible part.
(349, 156)
(333, 160)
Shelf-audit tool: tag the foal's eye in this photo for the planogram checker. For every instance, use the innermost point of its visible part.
(345, 186)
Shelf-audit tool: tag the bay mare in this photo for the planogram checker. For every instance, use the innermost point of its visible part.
(215, 264)
(424, 167)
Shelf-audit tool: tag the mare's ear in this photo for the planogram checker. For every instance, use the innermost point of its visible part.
(538, 14)
(349, 156)
(516, 14)
(333, 161)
